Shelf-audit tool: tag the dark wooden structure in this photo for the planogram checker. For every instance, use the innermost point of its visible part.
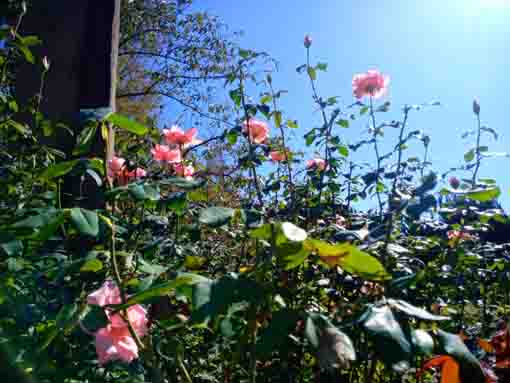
(81, 39)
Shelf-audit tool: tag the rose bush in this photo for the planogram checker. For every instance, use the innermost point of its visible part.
(265, 270)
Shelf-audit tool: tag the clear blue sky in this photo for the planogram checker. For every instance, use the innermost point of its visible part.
(446, 50)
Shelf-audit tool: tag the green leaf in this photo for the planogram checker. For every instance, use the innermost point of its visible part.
(364, 109)
(183, 183)
(153, 270)
(310, 137)
(343, 123)
(92, 265)
(21, 128)
(277, 118)
(12, 248)
(292, 232)
(97, 179)
(484, 195)
(274, 336)
(85, 221)
(266, 99)
(390, 340)
(93, 318)
(491, 131)
(50, 333)
(289, 242)
(312, 330)
(362, 264)
(67, 315)
(322, 66)
(213, 297)
(336, 350)
(127, 124)
(469, 155)
(470, 370)
(232, 136)
(263, 232)
(45, 232)
(292, 124)
(233, 324)
(414, 311)
(343, 150)
(182, 279)
(29, 41)
(58, 170)
(37, 221)
(27, 53)
(349, 258)
(216, 216)
(312, 73)
(176, 201)
(235, 96)
(245, 53)
(296, 259)
(144, 192)
(85, 138)
(192, 262)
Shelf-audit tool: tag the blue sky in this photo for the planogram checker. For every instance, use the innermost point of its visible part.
(446, 50)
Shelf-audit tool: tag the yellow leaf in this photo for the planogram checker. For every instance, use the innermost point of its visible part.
(485, 345)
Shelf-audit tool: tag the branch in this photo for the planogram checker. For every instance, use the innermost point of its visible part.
(220, 137)
(179, 101)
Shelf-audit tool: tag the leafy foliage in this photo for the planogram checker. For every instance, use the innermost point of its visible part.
(245, 274)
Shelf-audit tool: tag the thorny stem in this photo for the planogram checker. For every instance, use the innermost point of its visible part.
(425, 158)
(41, 89)
(39, 96)
(287, 160)
(253, 362)
(250, 144)
(327, 124)
(376, 148)
(478, 154)
(393, 192)
(118, 279)
(349, 188)
(183, 369)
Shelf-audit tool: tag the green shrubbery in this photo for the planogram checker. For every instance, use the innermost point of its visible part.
(271, 275)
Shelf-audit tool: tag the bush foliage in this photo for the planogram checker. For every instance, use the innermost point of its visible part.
(263, 269)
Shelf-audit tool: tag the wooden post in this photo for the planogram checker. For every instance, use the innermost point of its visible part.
(81, 39)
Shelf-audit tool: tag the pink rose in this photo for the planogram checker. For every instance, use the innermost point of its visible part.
(176, 136)
(115, 344)
(107, 294)
(186, 171)
(307, 41)
(257, 131)
(458, 235)
(373, 84)
(316, 163)
(277, 156)
(137, 173)
(115, 165)
(137, 316)
(164, 153)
